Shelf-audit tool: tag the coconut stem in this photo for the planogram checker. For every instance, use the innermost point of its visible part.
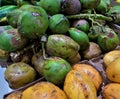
(43, 41)
(87, 16)
(43, 50)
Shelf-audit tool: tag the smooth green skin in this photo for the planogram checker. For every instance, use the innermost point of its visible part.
(56, 69)
(71, 7)
(51, 6)
(62, 46)
(108, 41)
(102, 7)
(11, 40)
(12, 17)
(89, 4)
(2, 29)
(114, 12)
(19, 74)
(80, 37)
(59, 24)
(33, 22)
(82, 25)
(4, 10)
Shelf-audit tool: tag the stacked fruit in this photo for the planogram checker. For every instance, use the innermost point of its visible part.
(111, 62)
(49, 37)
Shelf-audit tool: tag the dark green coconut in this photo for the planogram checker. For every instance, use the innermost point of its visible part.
(12, 17)
(11, 40)
(108, 41)
(62, 46)
(80, 37)
(51, 6)
(59, 24)
(33, 22)
(56, 69)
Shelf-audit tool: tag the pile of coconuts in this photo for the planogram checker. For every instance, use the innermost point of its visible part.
(46, 37)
